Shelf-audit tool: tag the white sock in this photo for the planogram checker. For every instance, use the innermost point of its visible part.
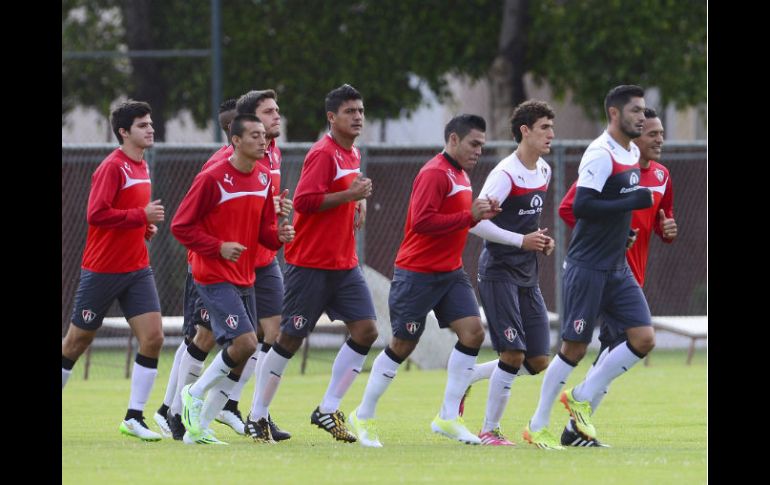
(248, 371)
(267, 383)
(65, 374)
(216, 371)
(347, 365)
(459, 373)
(556, 376)
(189, 371)
(173, 375)
(142, 379)
(483, 370)
(384, 370)
(216, 400)
(618, 361)
(497, 398)
(599, 396)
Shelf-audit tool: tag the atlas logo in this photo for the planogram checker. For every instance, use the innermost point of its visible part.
(127, 167)
(263, 178)
(232, 321)
(229, 179)
(579, 325)
(659, 174)
(510, 334)
(536, 201)
(634, 179)
(88, 316)
(299, 321)
(412, 327)
(204, 315)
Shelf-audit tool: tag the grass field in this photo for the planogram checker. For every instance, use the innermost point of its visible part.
(655, 418)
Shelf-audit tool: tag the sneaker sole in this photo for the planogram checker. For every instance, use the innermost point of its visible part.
(438, 430)
(129, 433)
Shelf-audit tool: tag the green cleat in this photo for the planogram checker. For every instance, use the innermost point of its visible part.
(205, 438)
(581, 412)
(455, 429)
(364, 429)
(542, 439)
(191, 411)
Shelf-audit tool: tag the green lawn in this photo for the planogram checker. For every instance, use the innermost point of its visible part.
(655, 418)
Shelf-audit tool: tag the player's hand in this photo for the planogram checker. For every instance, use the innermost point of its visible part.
(231, 251)
(360, 214)
(154, 212)
(284, 205)
(361, 188)
(150, 232)
(285, 231)
(667, 226)
(549, 246)
(484, 209)
(535, 241)
(631, 238)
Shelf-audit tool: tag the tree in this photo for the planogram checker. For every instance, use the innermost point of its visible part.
(587, 47)
(302, 49)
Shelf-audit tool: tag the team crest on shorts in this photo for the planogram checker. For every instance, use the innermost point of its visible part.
(579, 325)
(205, 316)
(299, 321)
(659, 174)
(88, 315)
(510, 334)
(412, 327)
(232, 321)
(263, 178)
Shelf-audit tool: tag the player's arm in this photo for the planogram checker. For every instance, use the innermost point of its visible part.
(665, 225)
(268, 227)
(496, 187)
(186, 225)
(595, 169)
(105, 184)
(428, 192)
(565, 207)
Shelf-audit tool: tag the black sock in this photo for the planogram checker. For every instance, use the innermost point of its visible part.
(163, 410)
(231, 406)
(135, 414)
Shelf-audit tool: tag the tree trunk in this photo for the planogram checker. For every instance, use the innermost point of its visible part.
(507, 72)
(148, 84)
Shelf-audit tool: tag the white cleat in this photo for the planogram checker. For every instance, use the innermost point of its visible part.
(455, 429)
(136, 428)
(230, 419)
(162, 424)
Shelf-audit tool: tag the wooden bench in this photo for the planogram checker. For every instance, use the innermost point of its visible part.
(693, 327)
(171, 325)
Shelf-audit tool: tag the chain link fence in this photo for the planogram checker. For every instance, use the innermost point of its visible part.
(676, 273)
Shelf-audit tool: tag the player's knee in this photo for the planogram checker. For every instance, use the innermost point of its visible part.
(204, 339)
(364, 333)
(75, 343)
(538, 363)
(513, 359)
(152, 342)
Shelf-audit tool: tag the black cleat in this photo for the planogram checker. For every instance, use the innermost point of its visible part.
(258, 430)
(570, 437)
(277, 433)
(175, 425)
(333, 423)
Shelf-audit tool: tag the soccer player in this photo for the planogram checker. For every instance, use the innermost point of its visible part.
(116, 263)
(508, 265)
(658, 218)
(429, 276)
(226, 211)
(168, 415)
(322, 272)
(597, 280)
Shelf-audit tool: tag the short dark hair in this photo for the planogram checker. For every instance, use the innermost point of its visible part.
(249, 102)
(650, 113)
(527, 113)
(124, 115)
(237, 126)
(227, 105)
(619, 96)
(339, 95)
(463, 124)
